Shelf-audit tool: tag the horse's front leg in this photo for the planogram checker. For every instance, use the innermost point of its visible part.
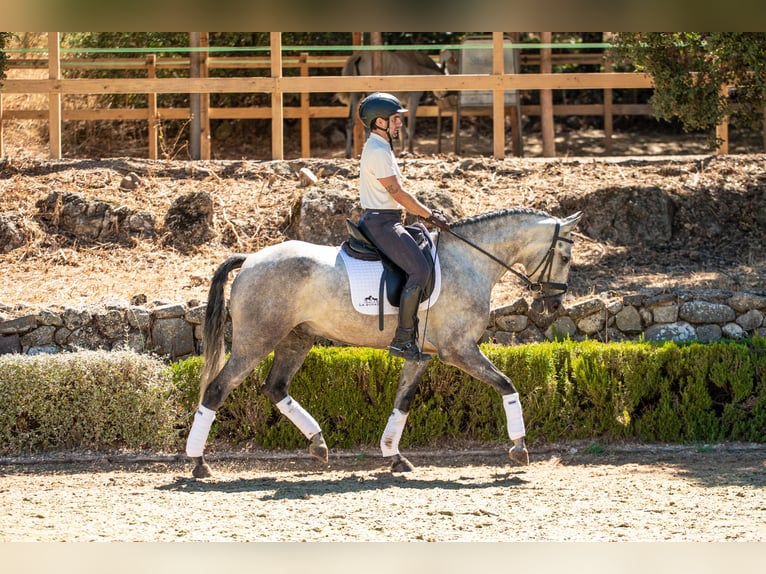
(471, 360)
(412, 373)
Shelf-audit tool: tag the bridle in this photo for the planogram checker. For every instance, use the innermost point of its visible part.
(545, 267)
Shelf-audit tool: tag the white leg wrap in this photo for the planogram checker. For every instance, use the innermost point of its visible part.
(513, 414)
(203, 420)
(389, 443)
(299, 416)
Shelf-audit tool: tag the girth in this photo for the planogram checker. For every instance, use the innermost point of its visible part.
(393, 278)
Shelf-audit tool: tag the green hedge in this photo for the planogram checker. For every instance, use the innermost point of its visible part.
(588, 390)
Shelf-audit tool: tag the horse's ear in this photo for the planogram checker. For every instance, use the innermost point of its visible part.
(570, 222)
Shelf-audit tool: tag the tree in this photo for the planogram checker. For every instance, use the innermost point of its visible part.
(690, 68)
(4, 36)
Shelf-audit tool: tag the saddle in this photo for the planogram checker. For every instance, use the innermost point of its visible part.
(393, 278)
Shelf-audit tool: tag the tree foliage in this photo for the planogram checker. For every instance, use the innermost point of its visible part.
(3, 57)
(690, 68)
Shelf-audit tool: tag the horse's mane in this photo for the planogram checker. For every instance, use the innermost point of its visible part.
(492, 215)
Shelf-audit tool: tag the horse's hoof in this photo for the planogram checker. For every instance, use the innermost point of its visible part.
(202, 470)
(401, 464)
(318, 448)
(519, 455)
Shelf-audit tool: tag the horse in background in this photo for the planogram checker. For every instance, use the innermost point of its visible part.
(398, 63)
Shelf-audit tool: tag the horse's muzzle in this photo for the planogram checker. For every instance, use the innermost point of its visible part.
(545, 301)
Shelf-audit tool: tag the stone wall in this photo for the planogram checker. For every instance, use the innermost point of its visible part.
(653, 314)
(175, 330)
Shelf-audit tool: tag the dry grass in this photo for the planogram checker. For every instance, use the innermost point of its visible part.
(253, 199)
(253, 204)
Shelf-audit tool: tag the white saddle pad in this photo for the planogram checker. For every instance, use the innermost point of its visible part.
(364, 279)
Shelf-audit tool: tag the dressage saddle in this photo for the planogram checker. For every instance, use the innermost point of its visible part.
(393, 278)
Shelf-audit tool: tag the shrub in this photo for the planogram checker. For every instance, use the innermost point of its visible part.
(86, 400)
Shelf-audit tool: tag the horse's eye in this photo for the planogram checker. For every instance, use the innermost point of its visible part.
(565, 259)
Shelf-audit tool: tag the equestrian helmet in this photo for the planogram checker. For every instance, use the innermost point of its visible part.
(379, 105)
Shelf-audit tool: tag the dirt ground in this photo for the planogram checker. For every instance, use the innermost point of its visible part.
(719, 220)
(575, 493)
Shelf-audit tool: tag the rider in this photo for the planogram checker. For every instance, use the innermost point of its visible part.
(382, 197)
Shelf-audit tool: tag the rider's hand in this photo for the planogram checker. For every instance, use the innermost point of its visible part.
(438, 219)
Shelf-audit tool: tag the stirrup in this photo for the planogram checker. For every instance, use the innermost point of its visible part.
(408, 351)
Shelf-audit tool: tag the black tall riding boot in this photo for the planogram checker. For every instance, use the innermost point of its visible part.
(405, 343)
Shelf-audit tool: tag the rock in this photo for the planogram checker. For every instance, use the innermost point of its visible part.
(665, 313)
(169, 311)
(750, 320)
(708, 333)
(745, 301)
(733, 331)
(10, 344)
(628, 320)
(680, 332)
(39, 337)
(307, 177)
(12, 234)
(319, 215)
(76, 318)
(130, 182)
(189, 220)
(93, 219)
(111, 323)
(514, 323)
(173, 337)
(138, 317)
(626, 215)
(706, 312)
(587, 307)
(562, 328)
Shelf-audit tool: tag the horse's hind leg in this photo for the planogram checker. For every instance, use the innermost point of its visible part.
(233, 373)
(288, 358)
(412, 373)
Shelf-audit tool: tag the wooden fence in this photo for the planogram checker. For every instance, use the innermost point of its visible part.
(200, 85)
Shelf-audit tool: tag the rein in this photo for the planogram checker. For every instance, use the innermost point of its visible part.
(546, 264)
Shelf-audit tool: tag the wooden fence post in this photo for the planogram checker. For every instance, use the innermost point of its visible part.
(608, 112)
(498, 97)
(358, 132)
(151, 72)
(764, 129)
(305, 110)
(204, 104)
(2, 152)
(195, 126)
(199, 147)
(54, 98)
(722, 129)
(546, 98)
(277, 113)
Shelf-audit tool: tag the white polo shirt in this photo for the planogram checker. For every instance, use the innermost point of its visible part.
(378, 161)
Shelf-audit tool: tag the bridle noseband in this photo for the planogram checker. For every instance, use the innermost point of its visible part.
(545, 266)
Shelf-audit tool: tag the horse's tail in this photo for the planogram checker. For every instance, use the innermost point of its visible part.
(215, 322)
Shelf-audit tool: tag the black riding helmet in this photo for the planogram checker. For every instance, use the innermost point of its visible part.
(379, 105)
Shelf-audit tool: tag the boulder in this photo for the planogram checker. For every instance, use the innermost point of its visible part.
(189, 220)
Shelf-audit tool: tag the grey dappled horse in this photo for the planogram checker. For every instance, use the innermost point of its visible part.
(288, 294)
(403, 63)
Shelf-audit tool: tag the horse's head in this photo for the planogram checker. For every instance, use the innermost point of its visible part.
(549, 278)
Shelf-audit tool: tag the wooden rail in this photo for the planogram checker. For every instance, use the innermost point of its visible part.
(273, 82)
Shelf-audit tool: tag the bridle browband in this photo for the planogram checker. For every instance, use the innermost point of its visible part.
(545, 266)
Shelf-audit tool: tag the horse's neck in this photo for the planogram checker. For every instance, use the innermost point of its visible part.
(513, 242)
